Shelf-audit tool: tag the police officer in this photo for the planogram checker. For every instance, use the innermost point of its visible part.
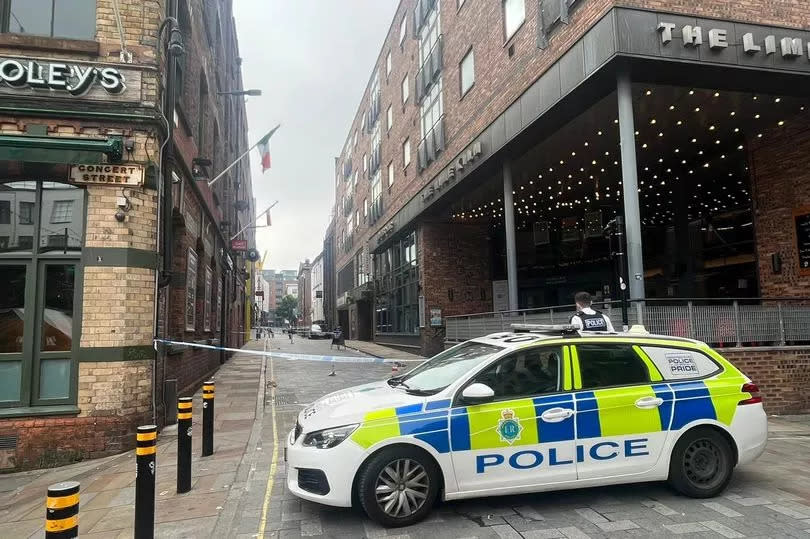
(588, 319)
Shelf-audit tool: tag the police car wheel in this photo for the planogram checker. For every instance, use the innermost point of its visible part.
(702, 464)
(398, 486)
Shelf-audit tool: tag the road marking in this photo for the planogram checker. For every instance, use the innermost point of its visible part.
(270, 479)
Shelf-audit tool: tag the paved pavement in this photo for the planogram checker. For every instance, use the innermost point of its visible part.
(377, 350)
(234, 495)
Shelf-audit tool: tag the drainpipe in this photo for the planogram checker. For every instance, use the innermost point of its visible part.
(175, 48)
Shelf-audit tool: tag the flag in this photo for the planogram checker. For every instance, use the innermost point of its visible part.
(264, 148)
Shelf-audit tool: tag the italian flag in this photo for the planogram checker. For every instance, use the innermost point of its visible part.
(264, 148)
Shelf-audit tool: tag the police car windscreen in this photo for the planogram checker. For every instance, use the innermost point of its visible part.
(449, 366)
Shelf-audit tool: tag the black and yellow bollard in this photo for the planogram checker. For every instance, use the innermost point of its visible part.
(183, 444)
(208, 418)
(62, 510)
(146, 440)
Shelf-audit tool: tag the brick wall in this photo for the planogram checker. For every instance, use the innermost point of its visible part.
(455, 274)
(780, 175)
(782, 374)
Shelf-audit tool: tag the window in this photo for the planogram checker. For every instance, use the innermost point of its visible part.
(72, 19)
(26, 213)
(406, 152)
(218, 315)
(532, 372)
(376, 188)
(62, 211)
(405, 90)
(678, 364)
(209, 278)
(606, 365)
(356, 218)
(5, 212)
(365, 162)
(390, 116)
(203, 108)
(388, 64)
(390, 174)
(514, 12)
(432, 108)
(355, 138)
(403, 28)
(349, 225)
(362, 275)
(365, 208)
(460, 3)
(449, 366)
(191, 291)
(396, 274)
(429, 35)
(467, 70)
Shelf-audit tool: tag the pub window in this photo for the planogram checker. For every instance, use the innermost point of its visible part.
(72, 19)
(5, 212)
(209, 278)
(191, 290)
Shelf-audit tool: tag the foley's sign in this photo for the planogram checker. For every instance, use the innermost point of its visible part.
(73, 79)
(106, 174)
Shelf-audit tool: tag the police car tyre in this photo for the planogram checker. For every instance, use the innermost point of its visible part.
(702, 463)
(398, 486)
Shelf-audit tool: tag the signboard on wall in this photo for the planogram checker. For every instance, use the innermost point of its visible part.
(239, 245)
(500, 296)
(801, 220)
(115, 175)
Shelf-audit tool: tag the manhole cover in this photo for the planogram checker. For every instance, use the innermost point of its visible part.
(285, 398)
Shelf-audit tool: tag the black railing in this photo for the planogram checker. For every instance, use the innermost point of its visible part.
(432, 145)
(430, 70)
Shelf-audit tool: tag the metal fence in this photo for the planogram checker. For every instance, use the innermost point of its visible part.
(718, 322)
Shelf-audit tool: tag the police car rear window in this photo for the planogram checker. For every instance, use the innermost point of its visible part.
(606, 365)
(679, 364)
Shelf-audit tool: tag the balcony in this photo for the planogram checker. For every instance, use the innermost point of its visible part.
(347, 169)
(431, 68)
(420, 14)
(432, 145)
(373, 113)
(374, 162)
(375, 211)
(348, 206)
(348, 243)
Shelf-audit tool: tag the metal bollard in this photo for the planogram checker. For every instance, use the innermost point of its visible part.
(183, 444)
(146, 440)
(208, 418)
(62, 511)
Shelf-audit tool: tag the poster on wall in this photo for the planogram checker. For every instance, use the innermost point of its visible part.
(435, 318)
(500, 296)
(801, 219)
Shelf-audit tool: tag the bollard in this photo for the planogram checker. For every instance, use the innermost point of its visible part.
(62, 511)
(183, 444)
(208, 418)
(146, 446)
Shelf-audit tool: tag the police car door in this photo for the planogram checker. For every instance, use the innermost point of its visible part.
(623, 410)
(525, 436)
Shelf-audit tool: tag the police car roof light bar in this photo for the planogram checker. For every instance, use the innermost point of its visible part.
(551, 329)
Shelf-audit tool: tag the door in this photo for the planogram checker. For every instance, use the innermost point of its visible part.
(525, 436)
(623, 410)
(14, 344)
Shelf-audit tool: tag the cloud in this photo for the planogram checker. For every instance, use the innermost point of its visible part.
(312, 60)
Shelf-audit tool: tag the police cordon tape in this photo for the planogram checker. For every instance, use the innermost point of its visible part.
(292, 357)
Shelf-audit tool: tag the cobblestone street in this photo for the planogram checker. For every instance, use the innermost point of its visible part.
(229, 496)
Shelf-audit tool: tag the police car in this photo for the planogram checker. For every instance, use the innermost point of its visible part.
(540, 408)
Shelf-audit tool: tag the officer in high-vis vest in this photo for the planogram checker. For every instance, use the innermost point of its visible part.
(588, 319)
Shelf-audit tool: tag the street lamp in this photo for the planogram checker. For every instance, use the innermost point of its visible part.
(253, 92)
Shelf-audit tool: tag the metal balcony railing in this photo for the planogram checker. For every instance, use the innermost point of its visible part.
(420, 14)
(430, 69)
(432, 145)
(747, 322)
(348, 205)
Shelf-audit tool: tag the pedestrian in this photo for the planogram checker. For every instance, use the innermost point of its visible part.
(588, 319)
(272, 335)
(337, 338)
(290, 333)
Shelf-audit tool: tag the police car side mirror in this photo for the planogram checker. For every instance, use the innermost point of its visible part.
(477, 393)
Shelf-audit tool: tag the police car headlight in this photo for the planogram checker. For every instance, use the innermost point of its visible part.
(328, 438)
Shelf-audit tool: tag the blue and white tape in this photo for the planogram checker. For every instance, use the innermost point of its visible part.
(291, 357)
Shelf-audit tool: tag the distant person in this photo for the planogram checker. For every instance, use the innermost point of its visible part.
(588, 319)
(337, 338)
(270, 330)
(290, 333)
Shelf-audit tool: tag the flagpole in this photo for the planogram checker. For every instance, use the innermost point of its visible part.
(254, 220)
(221, 174)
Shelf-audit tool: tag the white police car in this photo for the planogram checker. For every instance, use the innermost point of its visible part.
(525, 412)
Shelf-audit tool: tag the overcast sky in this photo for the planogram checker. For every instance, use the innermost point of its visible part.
(312, 60)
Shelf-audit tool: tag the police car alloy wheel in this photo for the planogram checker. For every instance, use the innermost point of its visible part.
(702, 464)
(398, 486)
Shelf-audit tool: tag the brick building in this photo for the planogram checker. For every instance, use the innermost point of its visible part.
(496, 141)
(84, 154)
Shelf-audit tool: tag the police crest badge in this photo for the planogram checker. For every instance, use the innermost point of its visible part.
(509, 427)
